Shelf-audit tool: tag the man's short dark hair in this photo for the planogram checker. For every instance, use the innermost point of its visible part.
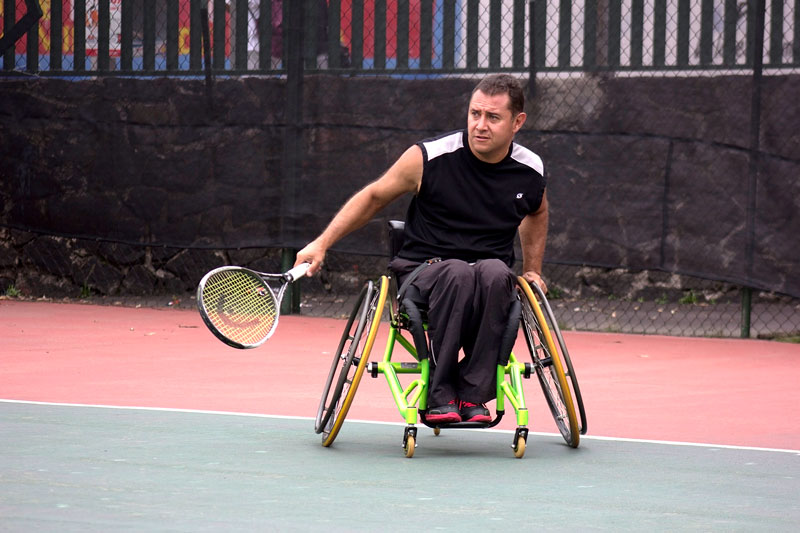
(494, 84)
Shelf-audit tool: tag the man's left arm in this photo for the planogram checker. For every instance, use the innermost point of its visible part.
(533, 237)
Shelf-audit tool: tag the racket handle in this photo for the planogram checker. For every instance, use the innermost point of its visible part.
(297, 272)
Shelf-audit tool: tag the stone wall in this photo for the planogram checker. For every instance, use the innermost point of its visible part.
(644, 173)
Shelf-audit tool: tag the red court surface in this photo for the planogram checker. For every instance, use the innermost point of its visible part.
(715, 391)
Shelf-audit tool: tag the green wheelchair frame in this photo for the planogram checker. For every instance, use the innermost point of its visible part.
(550, 362)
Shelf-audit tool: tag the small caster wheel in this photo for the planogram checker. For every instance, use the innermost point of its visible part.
(519, 449)
(410, 441)
(409, 446)
(520, 440)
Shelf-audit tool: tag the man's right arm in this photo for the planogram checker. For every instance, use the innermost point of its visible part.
(533, 236)
(404, 176)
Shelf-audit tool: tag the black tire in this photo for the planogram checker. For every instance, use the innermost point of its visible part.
(350, 360)
(549, 365)
(561, 346)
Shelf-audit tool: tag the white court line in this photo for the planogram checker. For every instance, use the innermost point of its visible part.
(289, 417)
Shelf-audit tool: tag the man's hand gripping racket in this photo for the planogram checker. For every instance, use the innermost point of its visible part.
(238, 305)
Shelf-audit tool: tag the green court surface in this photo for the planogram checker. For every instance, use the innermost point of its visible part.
(84, 468)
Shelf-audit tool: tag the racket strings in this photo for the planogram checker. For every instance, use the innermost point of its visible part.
(240, 306)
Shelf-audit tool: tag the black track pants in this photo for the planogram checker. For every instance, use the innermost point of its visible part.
(468, 307)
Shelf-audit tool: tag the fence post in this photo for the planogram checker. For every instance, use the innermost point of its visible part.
(293, 17)
(173, 36)
(291, 301)
(758, 21)
(532, 50)
(747, 296)
(79, 36)
(126, 37)
(32, 46)
(207, 58)
(149, 16)
(103, 38)
(56, 35)
(9, 19)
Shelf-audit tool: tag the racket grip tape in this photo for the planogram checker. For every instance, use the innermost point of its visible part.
(297, 272)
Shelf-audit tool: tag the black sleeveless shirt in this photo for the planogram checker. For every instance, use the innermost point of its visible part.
(468, 209)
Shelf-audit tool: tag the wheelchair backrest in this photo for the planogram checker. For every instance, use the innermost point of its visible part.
(396, 232)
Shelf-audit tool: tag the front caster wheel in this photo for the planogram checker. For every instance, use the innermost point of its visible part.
(410, 441)
(520, 442)
(410, 446)
(519, 448)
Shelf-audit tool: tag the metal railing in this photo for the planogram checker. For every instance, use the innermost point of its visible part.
(409, 37)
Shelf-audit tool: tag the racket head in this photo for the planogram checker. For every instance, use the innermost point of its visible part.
(238, 306)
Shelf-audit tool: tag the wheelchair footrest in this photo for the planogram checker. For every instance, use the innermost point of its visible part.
(464, 425)
(460, 425)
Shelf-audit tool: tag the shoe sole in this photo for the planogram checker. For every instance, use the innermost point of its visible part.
(480, 418)
(448, 418)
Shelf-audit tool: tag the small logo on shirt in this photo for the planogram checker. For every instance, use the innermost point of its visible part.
(519, 195)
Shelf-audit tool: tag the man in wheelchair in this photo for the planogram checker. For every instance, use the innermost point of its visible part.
(474, 189)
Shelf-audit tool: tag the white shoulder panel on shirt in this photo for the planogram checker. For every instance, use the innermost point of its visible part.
(528, 158)
(444, 145)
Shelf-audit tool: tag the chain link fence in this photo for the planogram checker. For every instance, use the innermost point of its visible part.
(584, 298)
(699, 93)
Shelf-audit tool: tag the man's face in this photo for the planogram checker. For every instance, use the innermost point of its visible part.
(491, 126)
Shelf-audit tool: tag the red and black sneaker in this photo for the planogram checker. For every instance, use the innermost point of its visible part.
(444, 414)
(471, 412)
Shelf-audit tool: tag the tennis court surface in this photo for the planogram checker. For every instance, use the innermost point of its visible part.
(124, 419)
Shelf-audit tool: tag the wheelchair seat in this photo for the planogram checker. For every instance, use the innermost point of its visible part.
(410, 301)
(412, 315)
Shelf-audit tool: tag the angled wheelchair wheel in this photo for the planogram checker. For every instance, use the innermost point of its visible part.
(549, 365)
(561, 346)
(350, 360)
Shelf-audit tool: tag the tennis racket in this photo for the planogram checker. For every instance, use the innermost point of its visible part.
(239, 306)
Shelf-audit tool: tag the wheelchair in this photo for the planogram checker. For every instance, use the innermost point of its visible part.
(549, 360)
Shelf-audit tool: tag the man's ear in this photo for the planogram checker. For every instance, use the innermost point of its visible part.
(519, 120)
